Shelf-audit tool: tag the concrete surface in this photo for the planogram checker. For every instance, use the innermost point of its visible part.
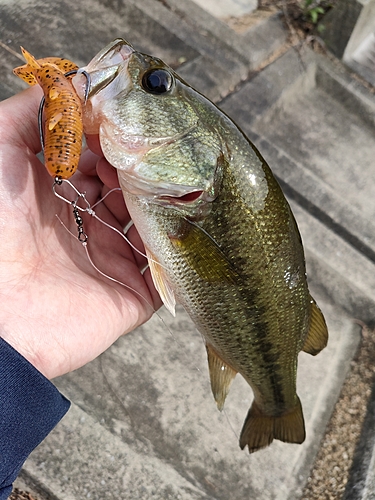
(143, 423)
(349, 32)
(339, 23)
(319, 141)
(360, 51)
(164, 434)
(225, 8)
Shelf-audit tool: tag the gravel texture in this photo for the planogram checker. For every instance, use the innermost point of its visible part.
(339, 445)
(21, 495)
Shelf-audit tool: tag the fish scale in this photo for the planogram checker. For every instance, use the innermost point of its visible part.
(257, 310)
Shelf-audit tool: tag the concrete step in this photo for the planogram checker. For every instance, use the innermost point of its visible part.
(348, 31)
(63, 29)
(222, 9)
(213, 54)
(87, 461)
(315, 126)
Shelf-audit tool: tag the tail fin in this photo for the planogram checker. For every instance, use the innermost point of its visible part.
(26, 71)
(31, 61)
(260, 430)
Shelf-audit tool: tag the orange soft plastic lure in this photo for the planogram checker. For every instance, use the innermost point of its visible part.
(63, 129)
(26, 72)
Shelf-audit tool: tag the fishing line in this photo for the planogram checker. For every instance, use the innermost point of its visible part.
(89, 209)
(105, 196)
(83, 239)
(237, 436)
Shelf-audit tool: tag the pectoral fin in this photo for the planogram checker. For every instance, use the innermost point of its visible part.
(161, 283)
(203, 254)
(54, 121)
(317, 336)
(221, 375)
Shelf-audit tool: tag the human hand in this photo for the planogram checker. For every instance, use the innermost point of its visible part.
(56, 309)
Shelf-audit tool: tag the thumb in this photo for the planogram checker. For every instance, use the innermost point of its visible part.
(19, 119)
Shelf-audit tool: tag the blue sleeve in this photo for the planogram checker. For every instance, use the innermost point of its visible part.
(30, 407)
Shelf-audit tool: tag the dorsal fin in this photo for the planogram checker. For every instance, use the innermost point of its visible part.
(221, 376)
(317, 336)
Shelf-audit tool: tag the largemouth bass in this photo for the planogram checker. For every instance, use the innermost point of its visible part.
(219, 234)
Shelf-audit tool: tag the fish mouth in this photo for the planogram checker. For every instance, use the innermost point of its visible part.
(163, 192)
(103, 68)
(185, 199)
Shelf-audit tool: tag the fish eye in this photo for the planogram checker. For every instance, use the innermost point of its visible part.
(157, 81)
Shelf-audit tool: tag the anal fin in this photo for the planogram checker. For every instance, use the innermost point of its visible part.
(317, 336)
(260, 430)
(221, 376)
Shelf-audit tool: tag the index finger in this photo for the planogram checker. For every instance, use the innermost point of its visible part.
(93, 143)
